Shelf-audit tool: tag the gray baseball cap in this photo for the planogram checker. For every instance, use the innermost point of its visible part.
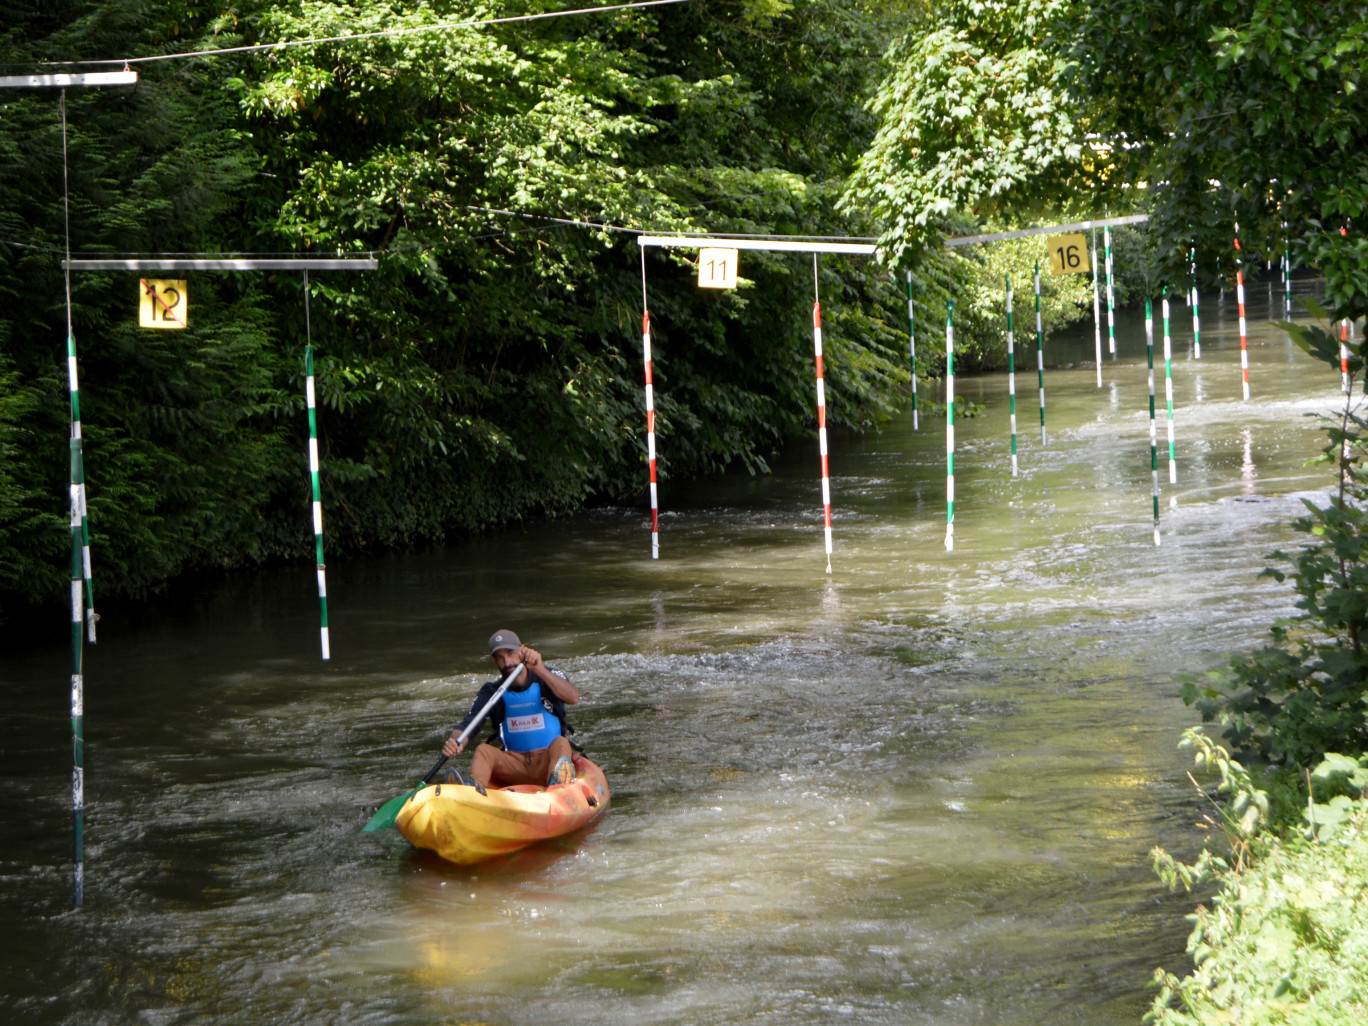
(503, 639)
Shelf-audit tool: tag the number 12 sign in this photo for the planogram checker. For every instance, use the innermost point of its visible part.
(1069, 255)
(162, 303)
(717, 268)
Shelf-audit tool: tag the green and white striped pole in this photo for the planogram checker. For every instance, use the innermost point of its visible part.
(1154, 436)
(1011, 376)
(78, 484)
(912, 348)
(313, 475)
(950, 425)
(1097, 313)
(77, 696)
(1287, 284)
(1040, 355)
(80, 569)
(1111, 296)
(1196, 320)
(1168, 390)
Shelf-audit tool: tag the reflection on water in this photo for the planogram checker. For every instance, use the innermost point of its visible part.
(922, 790)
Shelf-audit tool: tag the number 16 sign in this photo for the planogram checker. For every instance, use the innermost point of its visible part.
(162, 303)
(1069, 254)
(717, 268)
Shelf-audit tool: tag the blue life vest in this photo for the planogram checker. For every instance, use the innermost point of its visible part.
(527, 724)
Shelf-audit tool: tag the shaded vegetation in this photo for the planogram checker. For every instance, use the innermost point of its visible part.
(491, 369)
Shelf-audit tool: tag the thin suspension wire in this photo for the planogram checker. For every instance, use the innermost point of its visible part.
(382, 34)
(66, 208)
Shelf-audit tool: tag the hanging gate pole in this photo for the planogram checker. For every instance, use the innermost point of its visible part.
(313, 475)
(1011, 376)
(912, 348)
(1196, 320)
(950, 426)
(1097, 313)
(1040, 355)
(1154, 435)
(1240, 300)
(1168, 390)
(821, 411)
(650, 412)
(1111, 296)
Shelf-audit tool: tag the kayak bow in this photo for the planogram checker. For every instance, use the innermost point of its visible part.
(464, 826)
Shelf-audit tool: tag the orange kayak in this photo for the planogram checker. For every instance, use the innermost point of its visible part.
(464, 826)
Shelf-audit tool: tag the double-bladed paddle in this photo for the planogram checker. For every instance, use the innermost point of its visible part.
(384, 816)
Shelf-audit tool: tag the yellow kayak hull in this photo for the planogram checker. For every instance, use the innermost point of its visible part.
(463, 826)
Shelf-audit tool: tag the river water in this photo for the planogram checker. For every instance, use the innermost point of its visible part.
(921, 789)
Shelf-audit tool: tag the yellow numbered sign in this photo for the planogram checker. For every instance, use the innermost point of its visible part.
(717, 268)
(1069, 254)
(162, 303)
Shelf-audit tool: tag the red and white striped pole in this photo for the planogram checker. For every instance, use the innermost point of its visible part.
(1344, 356)
(821, 410)
(650, 411)
(1239, 298)
(650, 432)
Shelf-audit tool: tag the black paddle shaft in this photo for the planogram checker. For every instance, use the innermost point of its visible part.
(433, 772)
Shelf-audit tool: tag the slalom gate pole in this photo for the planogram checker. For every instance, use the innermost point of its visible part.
(1111, 298)
(77, 695)
(950, 425)
(1240, 301)
(314, 476)
(1287, 284)
(1345, 382)
(1154, 436)
(1097, 313)
(821, 412)
(1040, 355)
(81, 596)
(912, 348)
(1168, 390)
(77, 442)
(1196, 320)
(1011, 376)
(78, 488)
(650, 412)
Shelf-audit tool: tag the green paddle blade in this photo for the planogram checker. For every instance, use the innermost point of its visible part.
(384, 816)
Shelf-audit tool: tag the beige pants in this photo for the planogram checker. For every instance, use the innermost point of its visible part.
(493, 767)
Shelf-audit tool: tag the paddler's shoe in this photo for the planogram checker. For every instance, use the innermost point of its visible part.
(563, 772)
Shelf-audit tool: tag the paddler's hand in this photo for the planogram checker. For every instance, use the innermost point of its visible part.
(454, 745)
(529, 657)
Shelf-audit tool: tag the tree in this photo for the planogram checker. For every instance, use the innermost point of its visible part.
(974, 123)
(491, 368)
(1237, 113)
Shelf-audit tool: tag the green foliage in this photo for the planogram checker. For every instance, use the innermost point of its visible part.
(981, 302)
(1238, 820)
(1284, 940)
(1306, 693)
(491, 369)
(1248, 113)
(972, 117)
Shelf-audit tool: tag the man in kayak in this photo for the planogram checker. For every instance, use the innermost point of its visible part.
(530, 719)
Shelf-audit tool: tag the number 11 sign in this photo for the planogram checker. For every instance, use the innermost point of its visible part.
(717, 268)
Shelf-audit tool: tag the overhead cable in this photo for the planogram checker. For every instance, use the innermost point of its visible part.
(381, 34)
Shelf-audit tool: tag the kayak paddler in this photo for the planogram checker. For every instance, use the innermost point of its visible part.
(529, 719)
